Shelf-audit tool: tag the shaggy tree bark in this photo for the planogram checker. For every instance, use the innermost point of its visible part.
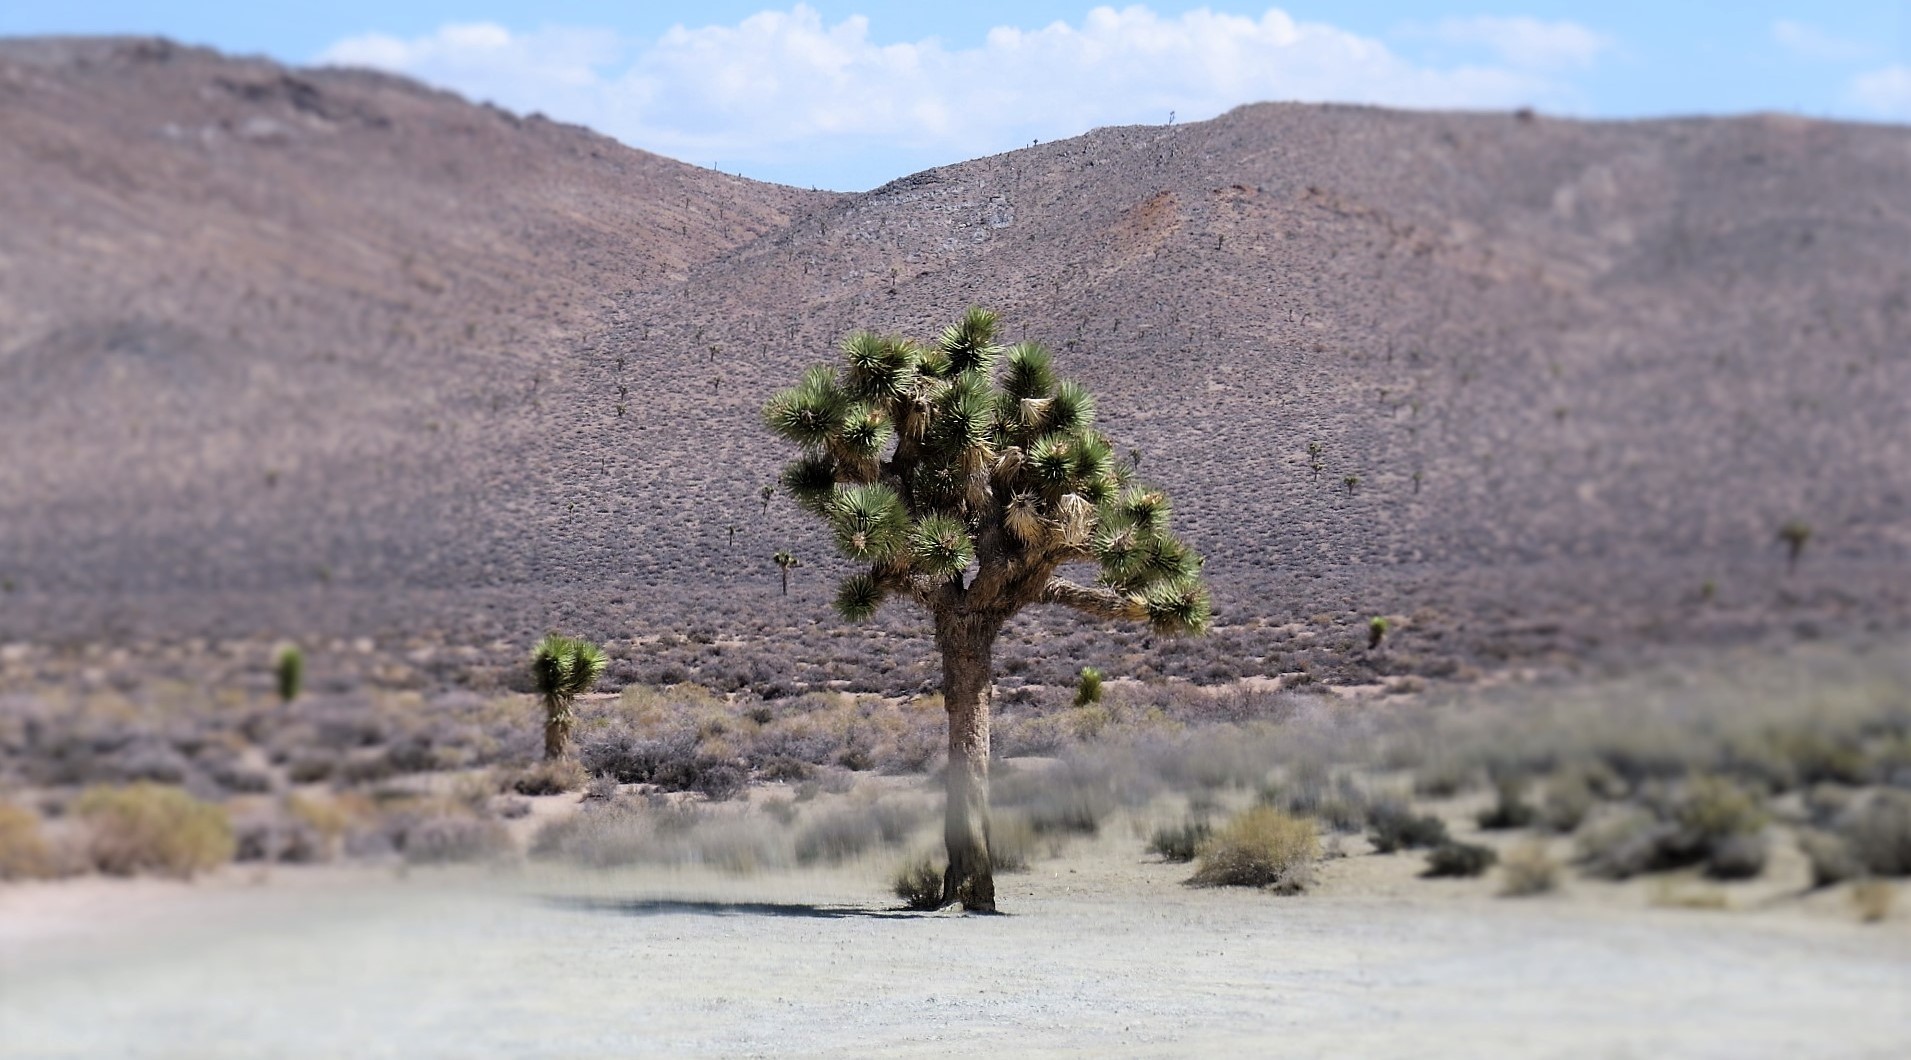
(967, 645)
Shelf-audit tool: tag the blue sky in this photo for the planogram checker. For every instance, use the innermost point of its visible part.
(848, 95)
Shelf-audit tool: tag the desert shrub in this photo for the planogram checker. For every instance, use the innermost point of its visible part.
(1072, 799)
(602, 788)
(919, 884)
(149, 827)
(1568, 799)
(1443, 778)
(1460, 859)
(715, 779)
(627, 831)
(633, 759)
(276, 836)
(1625, 844)
(1737, 857)
(1012, 843)
(1873, 899)
(443, 838)
(551, 776)
(1879, 832)
(24, 854)
(1527, 870)
(845, 833)
(1394, 826)
(1831, 857)
(1260, 847)
(1088, 687)
(1509, 810)
(1179, 842)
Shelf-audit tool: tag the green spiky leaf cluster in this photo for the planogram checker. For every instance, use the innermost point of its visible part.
(565, 667)
(965, 474)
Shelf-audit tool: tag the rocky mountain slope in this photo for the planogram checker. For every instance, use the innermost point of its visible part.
(326, 348)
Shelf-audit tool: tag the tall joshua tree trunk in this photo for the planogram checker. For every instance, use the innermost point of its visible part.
(966, 644)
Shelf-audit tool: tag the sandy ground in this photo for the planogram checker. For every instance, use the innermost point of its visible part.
(1103, 953)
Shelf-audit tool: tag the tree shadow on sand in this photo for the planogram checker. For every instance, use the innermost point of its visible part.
(679, 906)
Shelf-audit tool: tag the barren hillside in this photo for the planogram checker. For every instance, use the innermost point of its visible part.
(316, 348)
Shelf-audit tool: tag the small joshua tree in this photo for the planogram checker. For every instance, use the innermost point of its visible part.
(1794, 534)
(289, 669)
(563, 668)
(1088, 687)
(1376, 631)
(786, 560)
(966, 489)
(766, 493)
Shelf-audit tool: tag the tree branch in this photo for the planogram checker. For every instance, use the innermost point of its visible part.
(1093, 600)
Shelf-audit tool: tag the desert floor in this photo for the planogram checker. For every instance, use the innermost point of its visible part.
(1102, 952)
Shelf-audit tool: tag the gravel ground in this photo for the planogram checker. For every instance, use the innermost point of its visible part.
(1102, 954)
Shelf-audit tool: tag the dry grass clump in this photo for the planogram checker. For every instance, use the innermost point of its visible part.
(24, 853)
(1706, 821)
(919, 884)
(1873, 899)
(550, 776)
(655, 831)
(1868, 836)
(1260, 847)
(1527, 870)
(838, 835)
(1510, 808)
(1394, 826)
(148, 827)
(1460, 859)
(1179, 842)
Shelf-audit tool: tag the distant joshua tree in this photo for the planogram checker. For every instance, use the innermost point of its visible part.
(765, 494)
(289, 672)
(1794, 534)
(1352, 482)
(733, 528)
(786, 560)
(563, 668)
(966, 491)
(1376, 631)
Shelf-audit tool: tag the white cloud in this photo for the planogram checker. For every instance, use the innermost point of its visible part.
(1810, 42)
(1526, 43)
(784, 89)
(1884, 93)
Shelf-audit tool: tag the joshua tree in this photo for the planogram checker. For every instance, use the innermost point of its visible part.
(766, 493)
(786, 560)
(733, 528)
(1351, 482)
(290, 670)
(1377, 627)
(562, 668)
(966, 490)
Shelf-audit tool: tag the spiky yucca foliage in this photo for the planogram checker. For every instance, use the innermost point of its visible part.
(562, 669)
(964, 476)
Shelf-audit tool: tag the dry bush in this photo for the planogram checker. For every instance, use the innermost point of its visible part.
(1260, 847)
(841, 834)
(1528, 869)
(148, 827)
(1394, 826)
(1460, 859)
(1873, 899)
(919, 884)
(24, 853)
(1012, 843)
(1510, 808)
(1179, 842)
(627, 831)
(550, 776)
